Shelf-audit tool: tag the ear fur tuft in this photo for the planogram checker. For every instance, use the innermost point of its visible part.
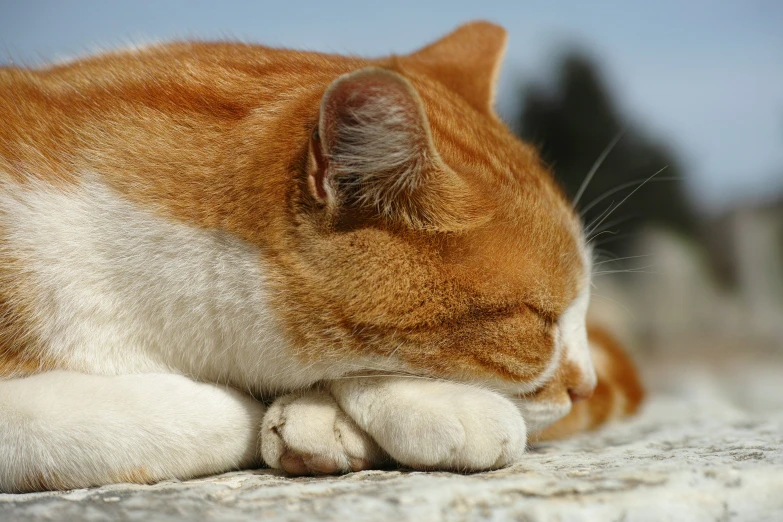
(377, 138)
(376, 153)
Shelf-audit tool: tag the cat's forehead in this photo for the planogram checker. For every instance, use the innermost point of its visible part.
(505, 263)
(483, 150)
(532, 238)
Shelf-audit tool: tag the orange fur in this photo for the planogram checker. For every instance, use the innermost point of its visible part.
(41, 481)
(52, 481)
(137, 475)
(469, 286)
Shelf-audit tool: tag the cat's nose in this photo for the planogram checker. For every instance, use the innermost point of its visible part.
(580, 393)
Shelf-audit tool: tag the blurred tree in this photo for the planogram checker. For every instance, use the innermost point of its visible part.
(572, 124)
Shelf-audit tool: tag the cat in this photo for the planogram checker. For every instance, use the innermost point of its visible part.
(216, 256)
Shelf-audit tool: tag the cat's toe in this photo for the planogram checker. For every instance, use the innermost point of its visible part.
(308, 434)
(293, 464)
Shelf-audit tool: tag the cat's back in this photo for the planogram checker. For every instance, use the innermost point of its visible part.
(53, 116)
(99, 156)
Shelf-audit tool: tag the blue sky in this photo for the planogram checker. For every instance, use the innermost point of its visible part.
(705, 76)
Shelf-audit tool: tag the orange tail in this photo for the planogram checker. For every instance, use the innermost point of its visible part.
(618, 393)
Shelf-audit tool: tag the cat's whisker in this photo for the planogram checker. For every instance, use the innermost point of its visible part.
(596, 166)
(610, 232)
(627, 271)
(626, 310)
(621, 187)
(640, 270)
(614, 238)
(600, 255)
(590, 226)
(610, 224)
(621, 259)
(373, 375)
(634, 191)
(388, 373)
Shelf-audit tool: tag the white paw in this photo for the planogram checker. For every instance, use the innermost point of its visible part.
(436, 424)
(307, 433)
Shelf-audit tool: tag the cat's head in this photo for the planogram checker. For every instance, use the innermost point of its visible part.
(428, 239)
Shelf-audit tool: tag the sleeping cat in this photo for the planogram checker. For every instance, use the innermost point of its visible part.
(191, 227)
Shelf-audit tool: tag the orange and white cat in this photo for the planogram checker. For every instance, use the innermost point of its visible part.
(190, 226)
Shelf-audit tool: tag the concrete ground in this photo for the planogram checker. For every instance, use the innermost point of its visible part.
(708, 445)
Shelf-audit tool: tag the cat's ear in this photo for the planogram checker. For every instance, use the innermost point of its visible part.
(373, 151)
(467, 61)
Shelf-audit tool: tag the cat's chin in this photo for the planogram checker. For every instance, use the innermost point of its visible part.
(540, 415)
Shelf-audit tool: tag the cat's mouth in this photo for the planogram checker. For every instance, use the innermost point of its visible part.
(539, 415)
(556, 398)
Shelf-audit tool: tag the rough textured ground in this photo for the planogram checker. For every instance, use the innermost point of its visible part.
(707, 446)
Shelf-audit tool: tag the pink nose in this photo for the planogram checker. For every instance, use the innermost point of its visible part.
(580, 393)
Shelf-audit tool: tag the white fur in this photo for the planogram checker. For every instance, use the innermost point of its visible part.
(82, 430)
(311, 426)
(119, 290)
(123, 290)
(430, 424)
(573, 330)
(541, 414)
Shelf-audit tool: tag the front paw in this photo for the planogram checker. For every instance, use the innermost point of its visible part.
(307, 433)
(436, 424)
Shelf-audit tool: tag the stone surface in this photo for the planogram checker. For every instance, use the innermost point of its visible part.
(707, 446)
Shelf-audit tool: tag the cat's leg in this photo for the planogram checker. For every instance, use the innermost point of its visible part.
(429, 424)
(307, 433)
(63, 430)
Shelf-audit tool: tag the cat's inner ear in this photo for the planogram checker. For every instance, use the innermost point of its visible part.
(372, 149)
(467, 61)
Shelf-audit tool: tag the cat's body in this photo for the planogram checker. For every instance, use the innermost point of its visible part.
(186, 225)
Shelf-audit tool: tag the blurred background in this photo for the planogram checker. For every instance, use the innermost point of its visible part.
(690, 94)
